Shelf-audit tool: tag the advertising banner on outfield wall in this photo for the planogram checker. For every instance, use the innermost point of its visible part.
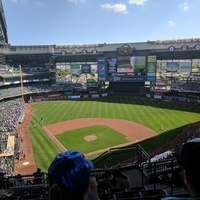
(74, 97)
(104, 95)
(157, 97)
(95, 96)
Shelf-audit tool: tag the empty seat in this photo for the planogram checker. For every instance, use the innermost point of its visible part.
(127, 194)
(144, 198)
(10, 198)
(114, 190)
(101, 191)
(106, 196)
(30, 196)
(153, 192)
(137, 188)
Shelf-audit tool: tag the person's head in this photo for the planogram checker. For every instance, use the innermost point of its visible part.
(188, 159)
(117, 173)
(69, 175)
(108, 175)
(19, 176)
(38, 170)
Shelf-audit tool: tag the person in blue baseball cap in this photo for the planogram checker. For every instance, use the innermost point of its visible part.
(69, 177)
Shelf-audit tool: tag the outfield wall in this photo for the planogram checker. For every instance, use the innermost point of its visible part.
(57, 96)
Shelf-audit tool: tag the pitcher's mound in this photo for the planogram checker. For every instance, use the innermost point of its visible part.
(90, 137)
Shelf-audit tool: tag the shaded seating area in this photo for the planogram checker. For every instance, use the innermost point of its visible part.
(131, 193)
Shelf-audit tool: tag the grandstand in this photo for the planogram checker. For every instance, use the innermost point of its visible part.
(167, 70)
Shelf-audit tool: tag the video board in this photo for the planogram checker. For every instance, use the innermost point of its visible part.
(127, 69)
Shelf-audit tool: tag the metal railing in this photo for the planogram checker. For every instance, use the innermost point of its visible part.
(120, 157)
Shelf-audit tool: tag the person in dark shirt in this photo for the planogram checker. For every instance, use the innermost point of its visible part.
(121, 179)
(38, 177)
(108, 181)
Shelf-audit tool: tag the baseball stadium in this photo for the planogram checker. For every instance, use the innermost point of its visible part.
(125, 106)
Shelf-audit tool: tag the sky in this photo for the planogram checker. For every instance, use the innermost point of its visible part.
(64, 22)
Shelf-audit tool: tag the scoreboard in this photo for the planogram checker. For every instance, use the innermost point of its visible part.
(127, 69)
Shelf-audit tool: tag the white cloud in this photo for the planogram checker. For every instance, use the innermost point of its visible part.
(185, 6)
(18, 1)
(38, 2)
(121, 8)
(76, 1)
(171, 23)
(137, 2)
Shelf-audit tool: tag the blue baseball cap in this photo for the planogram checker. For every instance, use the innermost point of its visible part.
(71, 169)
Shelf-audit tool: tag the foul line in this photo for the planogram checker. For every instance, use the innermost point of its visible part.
(53, 138)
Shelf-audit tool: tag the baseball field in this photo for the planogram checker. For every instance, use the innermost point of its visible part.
(92, 126)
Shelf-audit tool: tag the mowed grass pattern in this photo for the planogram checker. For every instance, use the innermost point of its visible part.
(151, 113)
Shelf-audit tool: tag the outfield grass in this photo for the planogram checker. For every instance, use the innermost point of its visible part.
(151, 113)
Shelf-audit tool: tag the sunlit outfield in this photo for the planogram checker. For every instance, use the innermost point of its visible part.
(151, 113)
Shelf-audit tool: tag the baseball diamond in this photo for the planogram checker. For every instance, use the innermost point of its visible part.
(134, 133)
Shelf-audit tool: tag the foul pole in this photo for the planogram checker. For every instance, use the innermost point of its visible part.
(21, 80)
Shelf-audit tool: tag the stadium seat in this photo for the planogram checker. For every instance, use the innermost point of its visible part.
(106, 196)
(114, 190)
(153, 192)
(100, 191)
(137, 188)
(120, 195)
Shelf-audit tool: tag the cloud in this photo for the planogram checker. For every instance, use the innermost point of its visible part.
(185, 6)
(171, 23)
(38, 2)
(121, 8)
(76, 1)
(18, 1)
(137, 2)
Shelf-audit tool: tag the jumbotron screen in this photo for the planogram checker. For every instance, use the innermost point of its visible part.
(127, 69)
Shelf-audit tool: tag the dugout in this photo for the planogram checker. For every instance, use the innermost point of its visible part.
(127, 87)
